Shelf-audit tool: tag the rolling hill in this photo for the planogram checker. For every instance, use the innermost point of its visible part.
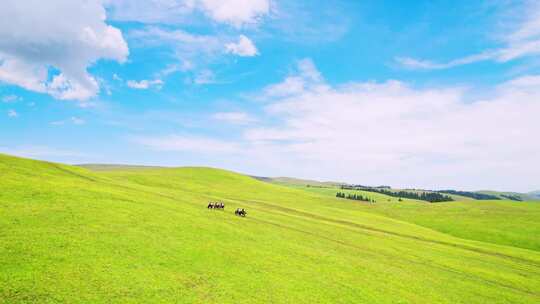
(297, 181)
(456, 195)
(118, 234)
(516, 196)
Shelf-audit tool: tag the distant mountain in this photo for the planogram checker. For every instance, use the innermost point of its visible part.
(515, 196)
(534, 194)
(291, 181)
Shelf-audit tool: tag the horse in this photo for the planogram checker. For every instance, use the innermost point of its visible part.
(240, 212)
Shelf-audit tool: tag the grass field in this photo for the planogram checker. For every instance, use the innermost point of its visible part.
(144, 235)
(501, 222)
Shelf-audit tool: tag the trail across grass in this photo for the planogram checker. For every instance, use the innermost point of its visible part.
(70, 235)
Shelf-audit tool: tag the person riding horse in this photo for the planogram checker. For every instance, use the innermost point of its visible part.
(216, 205)
(240, 212)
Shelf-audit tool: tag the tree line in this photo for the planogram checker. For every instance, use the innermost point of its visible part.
(432, 197)
(354, 196)
(475, 195)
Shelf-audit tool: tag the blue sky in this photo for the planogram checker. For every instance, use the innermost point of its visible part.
(428, 94)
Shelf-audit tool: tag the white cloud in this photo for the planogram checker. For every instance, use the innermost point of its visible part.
(154, 34)
(67, 35)
(291, 85)
(190, 49)
(145, 84)
(237, 118)
(412, 63)
(523, 41)
(193, 52)
(306, 74)
(244, 47)
(233, 12)
(183, 66)
(386, 133)
(12, 114)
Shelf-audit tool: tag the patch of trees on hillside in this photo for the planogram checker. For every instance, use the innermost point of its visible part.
(354, 196)
(432, 197)
(474, 195)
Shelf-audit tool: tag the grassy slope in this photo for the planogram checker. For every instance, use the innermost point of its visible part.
(501, 222)
(301, 183)
(71, 235)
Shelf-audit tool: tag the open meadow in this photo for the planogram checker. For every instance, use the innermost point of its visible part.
(128, 234)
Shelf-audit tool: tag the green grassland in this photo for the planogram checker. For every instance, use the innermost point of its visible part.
(144, 235)
(501, 222)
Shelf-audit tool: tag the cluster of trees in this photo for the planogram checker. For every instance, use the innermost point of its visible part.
(432, 197)
(354, 196)
(424, 195)
(475, 195)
